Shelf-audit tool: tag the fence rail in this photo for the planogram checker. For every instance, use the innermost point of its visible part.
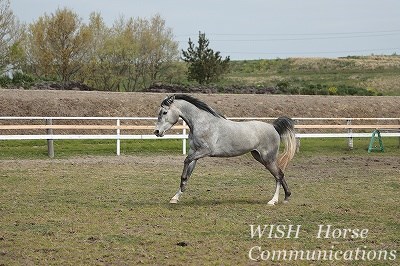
(390, 127)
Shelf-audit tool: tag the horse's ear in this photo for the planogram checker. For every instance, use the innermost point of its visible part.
(170, 99)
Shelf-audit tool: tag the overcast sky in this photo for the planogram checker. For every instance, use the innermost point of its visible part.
(255, 29)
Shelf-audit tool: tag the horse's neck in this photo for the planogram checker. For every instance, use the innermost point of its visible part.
(192, 115)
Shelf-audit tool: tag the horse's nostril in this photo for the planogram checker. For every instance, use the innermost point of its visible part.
(156, 132)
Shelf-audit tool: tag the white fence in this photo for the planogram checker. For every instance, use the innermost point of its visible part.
(389, 128)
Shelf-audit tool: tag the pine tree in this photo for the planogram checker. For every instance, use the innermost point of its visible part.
(205, 65)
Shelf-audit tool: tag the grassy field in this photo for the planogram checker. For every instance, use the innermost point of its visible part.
(37, 149)
(375, 74)
(98, 209)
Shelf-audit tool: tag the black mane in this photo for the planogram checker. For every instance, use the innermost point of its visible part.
(196, 102)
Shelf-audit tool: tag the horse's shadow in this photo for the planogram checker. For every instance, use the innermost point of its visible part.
(198, 202)
(216, 202)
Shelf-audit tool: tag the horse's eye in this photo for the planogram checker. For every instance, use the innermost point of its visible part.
(164, 113)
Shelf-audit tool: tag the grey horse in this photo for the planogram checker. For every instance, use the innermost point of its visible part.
(211, 134)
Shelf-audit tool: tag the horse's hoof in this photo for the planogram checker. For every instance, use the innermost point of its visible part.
(173, 201)
(285, 201)
(272, 203)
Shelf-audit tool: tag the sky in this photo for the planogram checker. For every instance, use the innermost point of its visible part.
(255, 29)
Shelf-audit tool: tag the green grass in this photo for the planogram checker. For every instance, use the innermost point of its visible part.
(37, 149)
(115, 211)
(338, 146)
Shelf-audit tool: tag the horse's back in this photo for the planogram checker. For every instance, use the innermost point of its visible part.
(255, 128)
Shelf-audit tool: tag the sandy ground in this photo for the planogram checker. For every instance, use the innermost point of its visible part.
(78, 103)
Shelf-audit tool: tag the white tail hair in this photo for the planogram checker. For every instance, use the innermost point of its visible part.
(285, 127)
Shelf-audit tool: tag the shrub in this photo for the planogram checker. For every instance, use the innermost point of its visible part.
(332, 91)
(372, 91)
(20, 78)
(5, 81)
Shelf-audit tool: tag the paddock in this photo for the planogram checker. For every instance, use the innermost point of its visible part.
(114, 209)
(95, 208)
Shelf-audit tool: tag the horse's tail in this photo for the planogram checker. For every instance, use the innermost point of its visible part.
(285, 127)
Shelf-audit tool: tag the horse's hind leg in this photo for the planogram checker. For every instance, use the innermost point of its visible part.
(277, 173)
(280, 180)
(275, 198)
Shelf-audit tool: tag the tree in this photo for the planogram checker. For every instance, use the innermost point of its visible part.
(58, 44)
(99, 70)
(147, 49)
(10, 38)
(128, 56)
(161, 49)
(132, 54)
(205, 65)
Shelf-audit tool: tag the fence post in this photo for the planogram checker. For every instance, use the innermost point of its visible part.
(350, 139)
(298, 141)
(118, 139)
(298, 145)
(184, 140)
(399, 136)
(50, 142)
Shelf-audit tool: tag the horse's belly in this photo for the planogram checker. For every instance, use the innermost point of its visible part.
(233, 147)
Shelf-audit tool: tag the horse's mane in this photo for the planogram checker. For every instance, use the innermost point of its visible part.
(196, 102)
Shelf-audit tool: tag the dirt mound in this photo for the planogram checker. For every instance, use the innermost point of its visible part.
(95, 103)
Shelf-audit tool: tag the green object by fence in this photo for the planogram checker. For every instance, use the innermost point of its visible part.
(372, 142)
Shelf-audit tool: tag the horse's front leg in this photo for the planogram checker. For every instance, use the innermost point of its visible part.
(188, 167)
(186, 173)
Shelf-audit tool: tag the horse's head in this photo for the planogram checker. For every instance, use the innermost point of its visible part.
(168, 115)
